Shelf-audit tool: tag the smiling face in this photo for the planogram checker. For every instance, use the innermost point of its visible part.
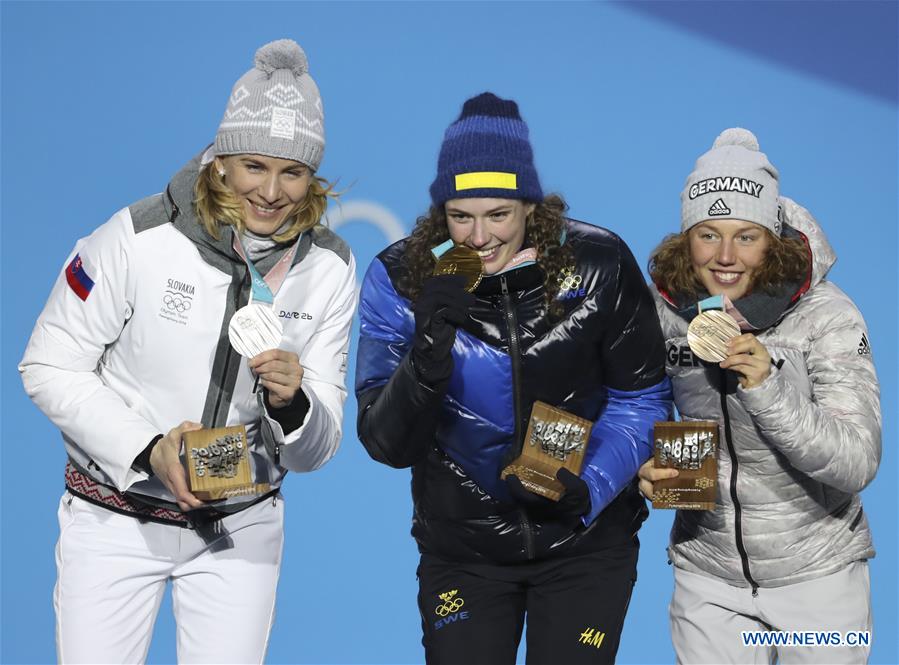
(493, 227)
(268, 188)
(726, 253)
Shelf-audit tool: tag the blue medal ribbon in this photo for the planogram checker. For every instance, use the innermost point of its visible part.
(261, 291)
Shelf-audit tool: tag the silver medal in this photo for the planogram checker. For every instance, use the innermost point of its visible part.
(253, 329)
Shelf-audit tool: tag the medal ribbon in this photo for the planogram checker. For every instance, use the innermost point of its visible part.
(525, 257)
(724, 304)
(442, 248)
(265, 288)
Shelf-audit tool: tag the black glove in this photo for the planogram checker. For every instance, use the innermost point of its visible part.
(574, 503)
(440, 308)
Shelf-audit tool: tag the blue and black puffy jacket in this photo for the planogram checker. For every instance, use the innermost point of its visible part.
(602, 360)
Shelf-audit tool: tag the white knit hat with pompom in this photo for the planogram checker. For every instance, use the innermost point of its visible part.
(275, 109)
(733, 180)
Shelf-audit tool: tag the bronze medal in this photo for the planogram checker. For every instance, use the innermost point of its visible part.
(709, 333)
(461, 260)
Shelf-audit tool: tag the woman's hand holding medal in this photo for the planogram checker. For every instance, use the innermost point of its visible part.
(280, 373)
(441, 307)
(749, 358)
(255, 332)
(714, 336)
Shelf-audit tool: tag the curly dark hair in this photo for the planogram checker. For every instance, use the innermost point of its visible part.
(543, 231)
(787, 260)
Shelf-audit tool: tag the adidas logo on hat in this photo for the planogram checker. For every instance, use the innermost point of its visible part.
(719, 208)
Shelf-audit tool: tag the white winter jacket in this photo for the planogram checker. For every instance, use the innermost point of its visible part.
(795, 450)
(147, 346)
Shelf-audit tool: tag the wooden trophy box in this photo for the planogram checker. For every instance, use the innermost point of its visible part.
(218, 463)
(554, 438)
(691, 447)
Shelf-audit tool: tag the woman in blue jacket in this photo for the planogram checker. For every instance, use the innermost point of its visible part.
(446, 380)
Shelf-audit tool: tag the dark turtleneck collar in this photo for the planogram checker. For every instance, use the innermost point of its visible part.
(526, 277)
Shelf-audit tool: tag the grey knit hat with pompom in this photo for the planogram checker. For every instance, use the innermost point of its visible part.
(275, 109)
(733, 180)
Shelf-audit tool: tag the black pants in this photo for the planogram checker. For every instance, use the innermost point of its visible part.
(575, 607)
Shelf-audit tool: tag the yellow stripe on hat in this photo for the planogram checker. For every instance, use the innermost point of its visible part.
(486, 179)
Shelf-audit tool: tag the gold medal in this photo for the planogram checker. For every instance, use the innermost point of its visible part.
(461, 260)
(709, 333)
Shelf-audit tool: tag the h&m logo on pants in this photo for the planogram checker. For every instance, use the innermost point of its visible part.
(592, 637)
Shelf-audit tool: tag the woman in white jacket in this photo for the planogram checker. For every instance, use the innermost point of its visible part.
(797, 401)
(133, 349)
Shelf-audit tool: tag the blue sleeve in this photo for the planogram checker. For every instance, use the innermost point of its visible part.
(397, 414)
(621, 441)
(385, 331)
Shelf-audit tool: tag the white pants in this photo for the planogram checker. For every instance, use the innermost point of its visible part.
(708, 616)
(112, 571)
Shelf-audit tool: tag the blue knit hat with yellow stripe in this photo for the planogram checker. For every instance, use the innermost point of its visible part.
(486, 153)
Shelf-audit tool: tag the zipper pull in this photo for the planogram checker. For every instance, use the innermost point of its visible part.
(278, 454)
(505, 287)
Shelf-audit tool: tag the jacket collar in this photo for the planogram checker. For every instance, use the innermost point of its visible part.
(522, 278)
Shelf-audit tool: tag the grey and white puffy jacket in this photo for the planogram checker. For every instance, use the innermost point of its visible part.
(795, 450)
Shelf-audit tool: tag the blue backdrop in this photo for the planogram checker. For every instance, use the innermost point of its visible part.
(103, 102)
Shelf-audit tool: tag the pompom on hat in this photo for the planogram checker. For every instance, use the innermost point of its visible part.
(486, 153)
(275, 109)
(733, 180)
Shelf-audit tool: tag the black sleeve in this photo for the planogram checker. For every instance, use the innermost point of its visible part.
(141, 463)
(633, 348)
(289, 417)
(397, 422)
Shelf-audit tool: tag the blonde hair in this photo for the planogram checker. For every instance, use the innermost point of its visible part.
(217, 206)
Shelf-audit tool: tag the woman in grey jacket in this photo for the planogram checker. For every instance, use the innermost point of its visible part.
(797, 400)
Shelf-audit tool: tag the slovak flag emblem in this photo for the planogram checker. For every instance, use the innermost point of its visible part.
(78, 279)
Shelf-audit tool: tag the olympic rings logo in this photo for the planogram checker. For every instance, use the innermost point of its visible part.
(176, 302)
(449, 607)
(568, 280)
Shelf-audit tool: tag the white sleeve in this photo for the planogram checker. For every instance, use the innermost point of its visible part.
(834, 436)
(91, 302)
(324, 362)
